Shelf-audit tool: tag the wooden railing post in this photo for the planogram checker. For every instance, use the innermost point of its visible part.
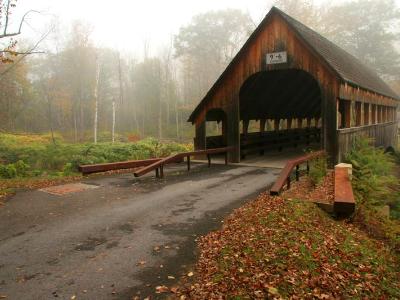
(297, 173)
(157, 173)
(209, 160)
(226, 157)
(162, 171)
(188, 163)
(288, 182)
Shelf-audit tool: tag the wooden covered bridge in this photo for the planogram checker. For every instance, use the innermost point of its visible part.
(289, 86)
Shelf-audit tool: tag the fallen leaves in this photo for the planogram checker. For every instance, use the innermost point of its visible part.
(276, 248)
(305, 190)
(162, 289)
(273, 291)
(141, 263)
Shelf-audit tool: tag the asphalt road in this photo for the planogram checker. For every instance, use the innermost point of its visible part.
(123, 238)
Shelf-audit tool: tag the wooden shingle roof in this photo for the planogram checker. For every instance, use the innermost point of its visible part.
(348, 67)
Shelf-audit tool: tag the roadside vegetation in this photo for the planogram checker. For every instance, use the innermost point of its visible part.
(376, 186)
(275, 248)
(286, 247)
(28, 160)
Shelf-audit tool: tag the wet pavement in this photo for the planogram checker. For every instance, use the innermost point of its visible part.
(123, 238)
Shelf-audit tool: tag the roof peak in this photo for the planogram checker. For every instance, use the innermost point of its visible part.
(347, 66)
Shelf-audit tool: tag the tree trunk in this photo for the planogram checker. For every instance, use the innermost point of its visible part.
(75, 127)
(113, 120)
(160, 120)
(50, 119)
(177, 119)
(96, 103)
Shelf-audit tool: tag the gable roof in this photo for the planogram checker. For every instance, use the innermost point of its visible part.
(347, 67)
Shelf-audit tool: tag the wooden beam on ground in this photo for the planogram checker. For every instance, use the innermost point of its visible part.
(178, 158)
(98, 168)
(344, 197)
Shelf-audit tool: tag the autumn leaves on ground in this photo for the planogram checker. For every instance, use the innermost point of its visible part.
(286, 247)
(289, 248)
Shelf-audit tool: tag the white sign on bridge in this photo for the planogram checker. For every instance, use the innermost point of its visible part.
(276, 58)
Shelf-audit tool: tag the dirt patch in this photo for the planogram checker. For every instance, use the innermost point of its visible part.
(90, 244)
(128, 228)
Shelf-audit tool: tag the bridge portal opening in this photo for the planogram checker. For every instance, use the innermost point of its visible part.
(216, 126)
(286, 105)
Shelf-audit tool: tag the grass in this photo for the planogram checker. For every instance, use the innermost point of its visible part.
(40, 154)
(292, 248)
(30, 160)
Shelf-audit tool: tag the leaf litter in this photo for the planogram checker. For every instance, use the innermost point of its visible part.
(277, 248)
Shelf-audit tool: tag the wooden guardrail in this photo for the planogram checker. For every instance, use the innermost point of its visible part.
(285, 176)
(159, 165)
(344, 198)
(97, 168)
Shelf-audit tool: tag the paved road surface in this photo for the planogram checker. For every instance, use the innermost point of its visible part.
(99, 243)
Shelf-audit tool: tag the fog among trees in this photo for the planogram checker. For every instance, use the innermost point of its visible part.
(87, 92)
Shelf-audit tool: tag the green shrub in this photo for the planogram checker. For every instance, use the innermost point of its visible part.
(375, 186)
(8, 171)
(373, 182)
(68, 169)
(21, 168)
(318, 168)
(41, 155)
(18, 169)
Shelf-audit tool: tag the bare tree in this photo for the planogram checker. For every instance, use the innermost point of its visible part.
(113, 119)
(6, 8)
(96, 100)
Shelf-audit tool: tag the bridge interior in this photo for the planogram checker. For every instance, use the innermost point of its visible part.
(280, 117)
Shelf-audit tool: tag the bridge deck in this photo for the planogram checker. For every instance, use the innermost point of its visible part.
(268, 160)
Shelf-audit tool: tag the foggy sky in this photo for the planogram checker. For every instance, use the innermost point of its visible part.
(126, 24)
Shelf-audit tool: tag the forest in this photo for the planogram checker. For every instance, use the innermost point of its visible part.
(84, 92)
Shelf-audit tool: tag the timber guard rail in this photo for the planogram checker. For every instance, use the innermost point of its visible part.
(159, 165)
(131, 164)
(285, 176)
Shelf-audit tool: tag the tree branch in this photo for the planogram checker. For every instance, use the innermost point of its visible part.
(5, 34)
(21, 53)
(7, 16)
(26, 54)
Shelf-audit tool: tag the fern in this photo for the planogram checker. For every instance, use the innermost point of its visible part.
(373, 182)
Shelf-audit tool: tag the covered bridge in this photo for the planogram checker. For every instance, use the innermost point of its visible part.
(294, 87)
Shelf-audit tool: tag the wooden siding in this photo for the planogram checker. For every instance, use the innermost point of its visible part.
(385, 136)
(275, 36)
(352, 93)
